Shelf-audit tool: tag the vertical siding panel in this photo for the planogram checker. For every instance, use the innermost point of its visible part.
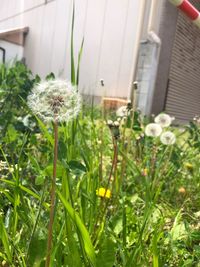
(32, 3)
(18, 21)
(129, 42)
(91, 51)
(7, 24)
(32, 52)
(109, 28)
(111, 45)
(121, 53)
(61, 37)
(2, 11)
(9, 8)
(110, 34)
(11, 5)
(79, 26)
(47, 33)
(18, 6)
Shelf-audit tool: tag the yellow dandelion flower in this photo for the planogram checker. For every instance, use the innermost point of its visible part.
(144, 172)
(188, 165)
(102, 192)
(182, 190)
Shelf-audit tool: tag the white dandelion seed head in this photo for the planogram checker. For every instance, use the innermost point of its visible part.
(173, 118)
(168, 138)
(153, 130)
(122, 111)
(110, 123)
(55, 99)
(163, 119)
(116, 123)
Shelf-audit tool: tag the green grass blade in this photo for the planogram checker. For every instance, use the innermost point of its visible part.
(4, 239)
(155, 252)
(73, 78)
(89, 249)
(79, 61)
(45, 131)
(25, 189)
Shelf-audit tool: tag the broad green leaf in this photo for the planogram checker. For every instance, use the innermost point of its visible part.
(178, 230)
(77, 166)
(39, 180)
(37, 250)
(106, 255)
(11, 134)
(59, 170)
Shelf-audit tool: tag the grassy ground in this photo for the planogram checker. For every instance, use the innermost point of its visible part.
(122, 198)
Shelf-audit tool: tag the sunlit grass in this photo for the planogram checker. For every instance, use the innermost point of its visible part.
(123, 198)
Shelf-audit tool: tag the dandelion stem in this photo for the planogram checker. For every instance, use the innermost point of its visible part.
(101, 155)
(52, 196)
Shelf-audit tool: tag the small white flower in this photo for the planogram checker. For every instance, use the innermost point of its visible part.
(168, 138)
(55, 100)
(122, 111)
(110, 123)
(163, 119)
(173, 118)
(3, 165)
(116, 123)
(153, 129)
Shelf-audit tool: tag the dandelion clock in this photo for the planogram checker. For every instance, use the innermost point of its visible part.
(54, 101)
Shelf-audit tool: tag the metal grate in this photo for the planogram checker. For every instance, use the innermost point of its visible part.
(183, 97)
(195, 3)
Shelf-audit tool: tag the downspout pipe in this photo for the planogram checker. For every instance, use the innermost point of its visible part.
(131, 91)
(188, 9)
(153, 38)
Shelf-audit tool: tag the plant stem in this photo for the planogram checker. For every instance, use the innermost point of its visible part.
(52, 196)
(102, 213)
(36, 223)
(101, 155)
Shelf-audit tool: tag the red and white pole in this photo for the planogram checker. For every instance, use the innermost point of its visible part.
(190, 11)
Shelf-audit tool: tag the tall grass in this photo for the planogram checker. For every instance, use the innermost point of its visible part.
(145, 222)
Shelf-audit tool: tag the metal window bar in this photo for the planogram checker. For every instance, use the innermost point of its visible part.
(3, 54)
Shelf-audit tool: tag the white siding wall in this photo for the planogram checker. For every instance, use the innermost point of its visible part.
(13, 51)
(109, 28)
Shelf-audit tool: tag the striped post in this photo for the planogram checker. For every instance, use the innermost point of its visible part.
(190, 11)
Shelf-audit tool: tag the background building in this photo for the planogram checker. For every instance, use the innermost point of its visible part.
(177, 87)
(110, 28)
(145, 40)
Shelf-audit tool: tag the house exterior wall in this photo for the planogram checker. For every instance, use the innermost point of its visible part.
(177, 83)
(167, 30)
(183, 94)
(109, 27)
(13, 51)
